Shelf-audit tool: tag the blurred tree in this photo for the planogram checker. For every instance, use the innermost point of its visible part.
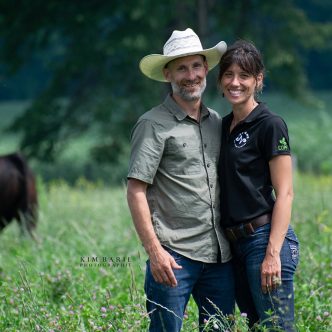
(92, 49)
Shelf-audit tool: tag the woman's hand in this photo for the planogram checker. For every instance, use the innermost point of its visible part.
(270, 272)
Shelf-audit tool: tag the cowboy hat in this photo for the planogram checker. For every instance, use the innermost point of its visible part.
(181, 43)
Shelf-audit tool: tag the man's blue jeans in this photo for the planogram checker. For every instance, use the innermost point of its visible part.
(205, 281)
(275, 309)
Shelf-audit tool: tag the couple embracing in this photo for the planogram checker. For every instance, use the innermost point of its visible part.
(211, 198)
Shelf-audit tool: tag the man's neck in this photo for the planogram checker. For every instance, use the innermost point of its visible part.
(192, 108)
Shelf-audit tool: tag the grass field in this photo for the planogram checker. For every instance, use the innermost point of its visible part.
(87, 272)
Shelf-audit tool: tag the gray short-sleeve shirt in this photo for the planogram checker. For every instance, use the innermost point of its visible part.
(177, 157)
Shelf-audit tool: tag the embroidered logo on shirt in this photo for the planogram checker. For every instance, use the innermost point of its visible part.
(283, 146)
(241, 139)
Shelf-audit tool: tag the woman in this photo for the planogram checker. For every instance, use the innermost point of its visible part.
(257, 193)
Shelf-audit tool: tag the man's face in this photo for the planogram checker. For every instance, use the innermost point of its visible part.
(187, 76)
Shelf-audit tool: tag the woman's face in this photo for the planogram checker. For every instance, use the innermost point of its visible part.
(239, 86)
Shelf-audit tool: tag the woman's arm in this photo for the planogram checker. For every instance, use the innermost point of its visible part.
(282, 182)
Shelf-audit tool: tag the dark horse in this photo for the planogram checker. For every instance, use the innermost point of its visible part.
(18, 194)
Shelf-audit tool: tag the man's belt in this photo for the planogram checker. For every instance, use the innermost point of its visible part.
(243, 230)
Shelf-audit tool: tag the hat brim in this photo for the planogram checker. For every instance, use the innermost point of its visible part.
(152, 65)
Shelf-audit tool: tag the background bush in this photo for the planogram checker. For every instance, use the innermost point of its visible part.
(309, 126)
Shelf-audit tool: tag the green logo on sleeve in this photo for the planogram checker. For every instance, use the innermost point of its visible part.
(283, 146)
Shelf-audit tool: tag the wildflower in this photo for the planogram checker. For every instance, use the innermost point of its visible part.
(244, 314)
(103, 272)
(326, 314)
(103, 309)
(319, 318)
(205, 321)
(112, 307)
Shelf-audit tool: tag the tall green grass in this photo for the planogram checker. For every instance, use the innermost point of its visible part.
(47, 287)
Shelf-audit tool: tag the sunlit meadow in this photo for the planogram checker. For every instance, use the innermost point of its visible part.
(87, 271)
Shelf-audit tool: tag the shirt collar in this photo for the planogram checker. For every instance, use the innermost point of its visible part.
(177, 111)
(253, 115)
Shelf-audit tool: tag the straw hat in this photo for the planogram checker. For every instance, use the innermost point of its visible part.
(181, 43)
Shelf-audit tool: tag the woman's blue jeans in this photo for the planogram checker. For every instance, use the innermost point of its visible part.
(205, 281)
(275, 309)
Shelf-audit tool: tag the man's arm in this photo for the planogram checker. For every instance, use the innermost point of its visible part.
(161, 262)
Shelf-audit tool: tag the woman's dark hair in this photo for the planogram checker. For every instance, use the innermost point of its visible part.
(245, 55)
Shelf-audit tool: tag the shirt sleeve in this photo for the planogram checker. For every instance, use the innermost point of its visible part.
(275, 139)
(147, 147)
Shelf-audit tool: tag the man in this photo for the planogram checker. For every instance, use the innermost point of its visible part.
(173, 189)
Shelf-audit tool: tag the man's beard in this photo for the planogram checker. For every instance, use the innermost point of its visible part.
(185, 94)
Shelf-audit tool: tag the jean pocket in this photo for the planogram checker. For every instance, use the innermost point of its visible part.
(177, 257)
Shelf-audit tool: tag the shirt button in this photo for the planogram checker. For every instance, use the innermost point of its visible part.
(184, 145)
(205, 145)
(211, 185)
(207, 165)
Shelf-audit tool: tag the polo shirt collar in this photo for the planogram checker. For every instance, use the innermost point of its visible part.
(176, 110)
(253, 115)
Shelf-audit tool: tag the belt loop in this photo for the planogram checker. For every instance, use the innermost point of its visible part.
(243, 230)
(234, 237)
(249, 228)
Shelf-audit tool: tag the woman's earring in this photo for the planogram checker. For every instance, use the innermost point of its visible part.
(223, 95)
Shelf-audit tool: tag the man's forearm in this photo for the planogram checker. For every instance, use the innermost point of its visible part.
(161, 262)
(139, 208)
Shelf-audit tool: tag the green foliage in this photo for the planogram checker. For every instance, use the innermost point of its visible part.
(47, 287)
(309, 129)
(312, 144)
(91, 51)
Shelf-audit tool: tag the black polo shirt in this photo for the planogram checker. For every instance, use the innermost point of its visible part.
(246, 189)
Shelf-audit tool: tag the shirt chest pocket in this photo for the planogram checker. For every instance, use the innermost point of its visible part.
(183, 155)
(183, 144)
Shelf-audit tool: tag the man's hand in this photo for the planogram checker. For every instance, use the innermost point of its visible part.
(270, 272)
(162, 265)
